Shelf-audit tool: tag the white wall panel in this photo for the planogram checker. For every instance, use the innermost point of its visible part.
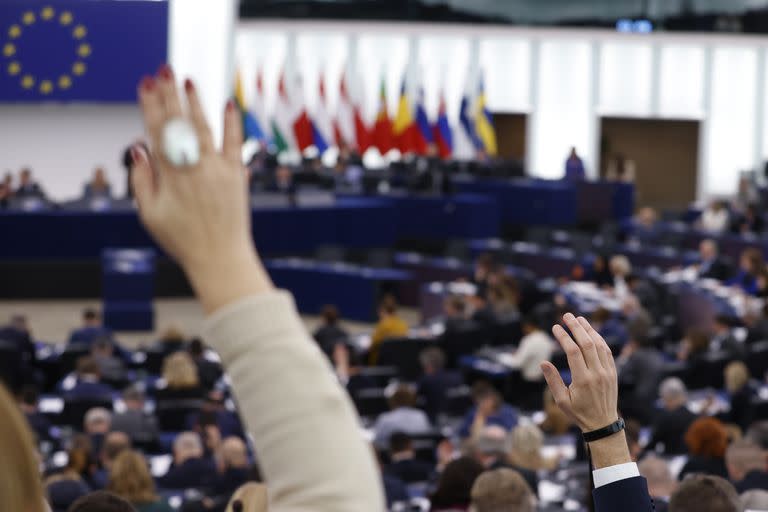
(730, 135)
(506, 65)
(563, 116)
(625, 79)
(681, 87)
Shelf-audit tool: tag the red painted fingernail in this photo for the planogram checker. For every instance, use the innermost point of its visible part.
(147, 83)
(230, 105)
(165, 72)
(188, 85)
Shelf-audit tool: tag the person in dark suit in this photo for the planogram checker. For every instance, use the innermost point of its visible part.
(114, 444)
(455, 314)
(436, 381)
(88, 384)
(91, 330)
(141, 426)
(723, 339)
(180, 379)
(235, 468)
(711, 265)
(19, 347)
(640, 367)
(395, 490)
(28, 187)
(661, 483)
(673, 421)
(746, 465)
(404, 464)
(707, 440)
(283, 181)
(590, 401)
(330, 332)
(38, 422)
(190, 468)
(483, 314)
(741, 393)
(208, 371)
(574, 167)
(98, 186)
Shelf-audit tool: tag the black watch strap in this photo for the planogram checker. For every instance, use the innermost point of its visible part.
(595, 435)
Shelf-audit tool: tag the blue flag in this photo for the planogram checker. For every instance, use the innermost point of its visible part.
(79, 50)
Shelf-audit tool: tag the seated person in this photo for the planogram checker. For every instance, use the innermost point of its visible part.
(38, 422)
(96, 425)
(88, 384)
(723, 339)
(715, 218)
(390, 325)
(114, 444)
(98, 186)
(609, 327)
(661, 483)
(646, 224)
(190, 468)
(751, 265)
(403, 417)
(214, 412)
(490, 448)
(749, 222)
(436, 381)
(673, 421)
(706, 440)
(711, 265)
(180, 380)
(131, 480)
(502, 489)
(694, 347)
(330, 332)
(535, 348)
(234, 467)
(741, 392)
(489, 409)
(455, 485)
(485, 269)
(504, 299)
(620, 269)
(283, 181)
(172, 340)
(640, 368)
(455, 314)
(208, 371)
(599, 273)
(483, 313)
(91, 329)
(403, 462)
(111, 368)
(140, 425)
(746, 465)
(28, 187)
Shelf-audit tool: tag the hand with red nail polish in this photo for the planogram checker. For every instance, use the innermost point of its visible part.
(200, 214)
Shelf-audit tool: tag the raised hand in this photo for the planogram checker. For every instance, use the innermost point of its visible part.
(591, 399)
(198, 213)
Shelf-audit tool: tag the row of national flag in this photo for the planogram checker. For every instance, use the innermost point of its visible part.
(292, 127)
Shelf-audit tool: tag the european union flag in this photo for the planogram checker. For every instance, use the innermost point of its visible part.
(79, 50)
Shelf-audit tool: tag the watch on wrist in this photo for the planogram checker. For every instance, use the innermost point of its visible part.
(607, 431)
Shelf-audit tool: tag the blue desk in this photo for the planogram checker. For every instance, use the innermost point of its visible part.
(529, 202)
(68, 235)
(354, 290)
(442, 218)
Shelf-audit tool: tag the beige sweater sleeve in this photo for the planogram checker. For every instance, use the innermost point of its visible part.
(304, 429)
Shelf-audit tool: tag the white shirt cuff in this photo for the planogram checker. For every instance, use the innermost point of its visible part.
(611, 474)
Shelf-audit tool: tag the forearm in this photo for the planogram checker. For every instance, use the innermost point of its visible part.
(610, 451)
(304, 428)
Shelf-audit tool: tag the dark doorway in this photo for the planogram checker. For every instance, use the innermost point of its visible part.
(665, 154)
(511, 135)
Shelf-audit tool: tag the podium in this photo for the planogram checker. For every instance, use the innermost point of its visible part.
(128, 288)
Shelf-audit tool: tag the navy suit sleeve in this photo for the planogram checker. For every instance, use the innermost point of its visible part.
(628, 495)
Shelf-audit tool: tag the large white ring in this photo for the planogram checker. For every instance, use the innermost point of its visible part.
(180, 144)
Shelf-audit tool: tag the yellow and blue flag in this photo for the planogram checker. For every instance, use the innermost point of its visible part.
(484, 129)
(79, 50)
